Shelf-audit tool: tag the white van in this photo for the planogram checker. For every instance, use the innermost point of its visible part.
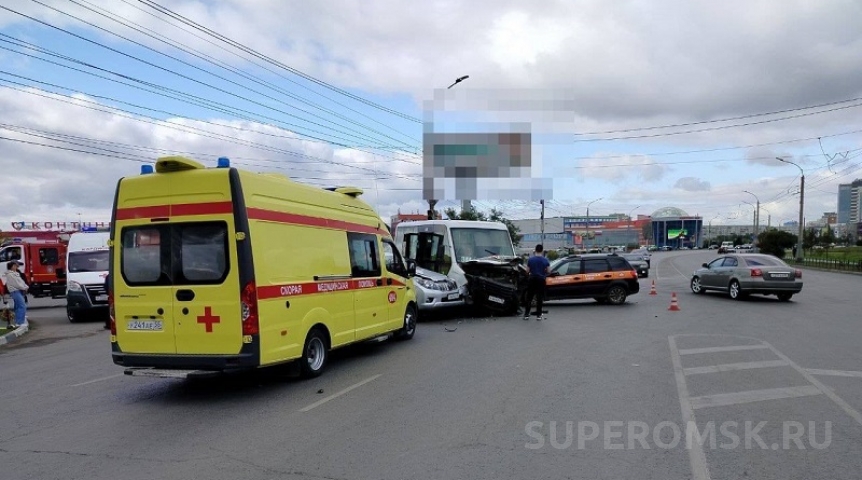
(87, 267)
(448, 253)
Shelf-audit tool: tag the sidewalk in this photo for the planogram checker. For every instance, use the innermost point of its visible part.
(12, 335)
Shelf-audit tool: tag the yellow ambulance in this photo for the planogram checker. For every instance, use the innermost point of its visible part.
(215, 269)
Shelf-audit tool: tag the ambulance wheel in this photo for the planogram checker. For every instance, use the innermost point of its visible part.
(314, 354)
(406, 332)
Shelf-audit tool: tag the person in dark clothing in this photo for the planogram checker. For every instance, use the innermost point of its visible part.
(539, 267)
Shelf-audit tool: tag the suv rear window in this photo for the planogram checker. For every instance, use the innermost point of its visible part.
(619, 264)
(175, 254)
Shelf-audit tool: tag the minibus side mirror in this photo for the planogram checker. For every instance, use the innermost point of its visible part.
(411, 267)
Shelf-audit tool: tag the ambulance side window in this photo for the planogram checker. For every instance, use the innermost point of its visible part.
(364, 257)
(394, 263)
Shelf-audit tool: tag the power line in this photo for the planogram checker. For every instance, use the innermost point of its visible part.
(234, 127)
(84, 141)
(727, 119)
(272, 61)
(262, 66)
(723, 127)
(194, 130)
(173, 44)
(160, 87)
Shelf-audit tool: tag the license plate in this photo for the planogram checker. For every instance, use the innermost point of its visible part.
(147, 325)
(780, 275)
(496, 299)
(101, 298)
(453, 296)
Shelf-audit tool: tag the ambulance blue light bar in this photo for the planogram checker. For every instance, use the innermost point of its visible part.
(223, 162)
(146, 169)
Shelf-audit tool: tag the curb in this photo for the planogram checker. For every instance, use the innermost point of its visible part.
(15, 334)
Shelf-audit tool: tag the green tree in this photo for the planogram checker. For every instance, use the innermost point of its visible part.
(776, 242)
(827, 236)
(495, 216)
(809, 238)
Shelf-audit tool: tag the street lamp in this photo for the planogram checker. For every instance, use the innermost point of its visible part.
(756, 215)
(768, 218)
(801, 205)
(754, 228)
(710, 229)
(629, 224)
(465, 204)
(588, 216)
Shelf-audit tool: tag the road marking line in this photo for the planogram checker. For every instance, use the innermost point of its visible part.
(727, 399)
(730, 367)
(97, 380)
(834, 373)
(693, 351)
(823, 388)
(696, 455)
(336, 395)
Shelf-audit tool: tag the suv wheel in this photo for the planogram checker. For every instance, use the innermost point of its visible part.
(617, 295)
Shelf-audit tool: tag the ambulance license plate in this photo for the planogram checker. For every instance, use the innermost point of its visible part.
(147, 325)
(496, 299)
(101, 298)
(453, 296)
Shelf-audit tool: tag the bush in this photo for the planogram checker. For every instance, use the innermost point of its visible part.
(552, 255)
(776, 242)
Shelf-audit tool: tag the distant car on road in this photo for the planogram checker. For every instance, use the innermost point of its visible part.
(638, 262)
(741, 275)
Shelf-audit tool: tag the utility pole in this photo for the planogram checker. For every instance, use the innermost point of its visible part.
(799, 255)
(542, 219)
(588, 216)
(756, 215)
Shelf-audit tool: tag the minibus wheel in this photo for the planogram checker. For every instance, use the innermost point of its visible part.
(314, 354)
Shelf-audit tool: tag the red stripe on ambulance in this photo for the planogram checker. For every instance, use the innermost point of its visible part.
(312, 288)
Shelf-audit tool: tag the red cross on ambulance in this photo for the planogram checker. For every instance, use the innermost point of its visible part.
(209, 319)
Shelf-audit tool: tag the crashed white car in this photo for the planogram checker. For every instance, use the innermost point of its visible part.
(435, 290)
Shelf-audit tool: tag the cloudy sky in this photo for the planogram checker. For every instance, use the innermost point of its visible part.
(646, 104)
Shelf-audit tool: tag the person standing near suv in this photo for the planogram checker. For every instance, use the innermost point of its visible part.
(538, 266)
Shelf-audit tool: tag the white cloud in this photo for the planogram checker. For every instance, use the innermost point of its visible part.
(692, 184)
(638, 167)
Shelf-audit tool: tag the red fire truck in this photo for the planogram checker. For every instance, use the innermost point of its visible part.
(44, 267)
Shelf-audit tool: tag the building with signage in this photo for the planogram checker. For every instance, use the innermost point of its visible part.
(673, 227)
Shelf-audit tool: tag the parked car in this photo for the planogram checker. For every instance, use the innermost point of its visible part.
(638, 262)
(743, 274)
(606, 278)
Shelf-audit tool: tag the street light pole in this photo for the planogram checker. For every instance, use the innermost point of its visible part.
(710, 230)
(588, 216)
(465, 204)
(629, 224)
(801, 205)
(756, 215)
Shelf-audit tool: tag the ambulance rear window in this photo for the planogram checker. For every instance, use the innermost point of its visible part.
(175, 254)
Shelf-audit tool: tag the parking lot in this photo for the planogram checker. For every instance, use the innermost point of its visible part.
(595, 391)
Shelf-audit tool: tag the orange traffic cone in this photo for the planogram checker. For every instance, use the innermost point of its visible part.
(674, 306)
(652, 289)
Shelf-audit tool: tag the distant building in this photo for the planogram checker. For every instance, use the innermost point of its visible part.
(849, 202)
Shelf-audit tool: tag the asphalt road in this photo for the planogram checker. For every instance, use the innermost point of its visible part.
(489, 400)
